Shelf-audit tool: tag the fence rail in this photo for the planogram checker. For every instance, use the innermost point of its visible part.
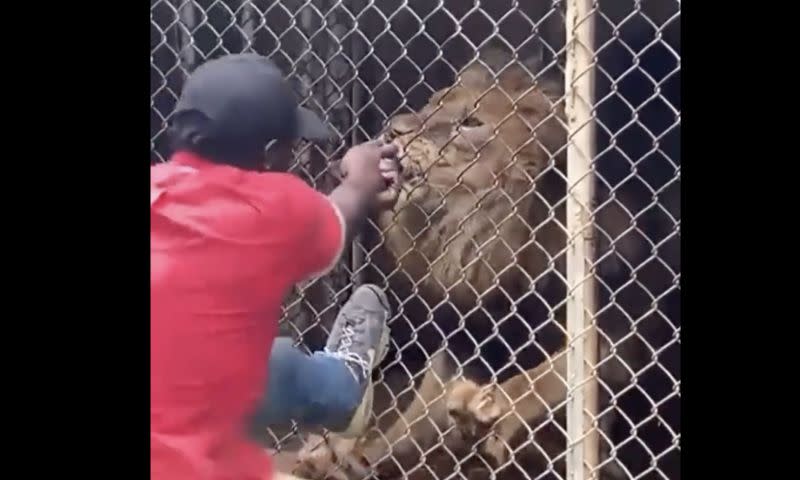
(533, 259)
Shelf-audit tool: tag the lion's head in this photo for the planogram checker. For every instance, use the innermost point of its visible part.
(472, 213)
(487, 125)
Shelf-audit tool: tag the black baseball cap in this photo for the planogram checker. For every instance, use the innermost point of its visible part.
(242, 100)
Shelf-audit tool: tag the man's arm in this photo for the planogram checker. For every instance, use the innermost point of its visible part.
(324, 225)
(353, 206)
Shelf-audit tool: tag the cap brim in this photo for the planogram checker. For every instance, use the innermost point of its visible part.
(311, 127)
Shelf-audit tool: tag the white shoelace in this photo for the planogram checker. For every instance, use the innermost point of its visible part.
(350, 358)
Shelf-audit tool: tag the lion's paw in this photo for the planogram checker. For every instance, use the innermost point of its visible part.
(473, 408)
(315, 459)
(331, 459)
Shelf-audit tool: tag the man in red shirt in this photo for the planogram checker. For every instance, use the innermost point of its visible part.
(230, 234)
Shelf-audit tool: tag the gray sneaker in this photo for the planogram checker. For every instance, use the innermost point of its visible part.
(360, 338)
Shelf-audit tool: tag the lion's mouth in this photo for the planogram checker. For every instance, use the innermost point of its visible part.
(411, 185)
(410, 175)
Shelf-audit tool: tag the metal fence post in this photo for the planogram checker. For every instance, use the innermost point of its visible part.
(356, 104)
(583, 450)
(188, 19)
(247, 20)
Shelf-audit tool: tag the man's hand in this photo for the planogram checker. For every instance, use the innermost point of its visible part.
(372, 167)
(369, 183)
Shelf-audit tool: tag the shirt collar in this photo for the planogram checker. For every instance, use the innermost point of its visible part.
(189, 159)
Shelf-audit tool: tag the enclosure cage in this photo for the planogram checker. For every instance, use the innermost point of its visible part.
(533, 264)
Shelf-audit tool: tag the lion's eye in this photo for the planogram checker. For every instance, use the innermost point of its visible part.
(471, 122)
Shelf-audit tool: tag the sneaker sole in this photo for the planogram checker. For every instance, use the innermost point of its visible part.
(383, 345)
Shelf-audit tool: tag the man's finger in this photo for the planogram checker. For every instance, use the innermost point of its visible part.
(377, 142)
(390, 177)
(387, 164)
(389, 150)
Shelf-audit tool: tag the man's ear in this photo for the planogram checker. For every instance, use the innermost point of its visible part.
(190, 126)
(278, 156)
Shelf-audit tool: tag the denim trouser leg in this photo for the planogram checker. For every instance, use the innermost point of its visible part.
(309, 389)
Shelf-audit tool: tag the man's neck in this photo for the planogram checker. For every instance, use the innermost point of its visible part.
(192, 159)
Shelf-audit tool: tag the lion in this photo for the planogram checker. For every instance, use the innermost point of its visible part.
(477, 238)
(478, 222)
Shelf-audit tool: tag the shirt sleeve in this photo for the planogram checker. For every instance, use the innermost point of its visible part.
(317, 230)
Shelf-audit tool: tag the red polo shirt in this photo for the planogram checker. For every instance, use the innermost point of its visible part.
(226, 246)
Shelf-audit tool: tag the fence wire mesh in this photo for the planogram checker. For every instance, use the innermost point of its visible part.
(491, 105)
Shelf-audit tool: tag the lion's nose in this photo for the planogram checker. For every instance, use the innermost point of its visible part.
(392, 133)
(402, 125)
(399, 131)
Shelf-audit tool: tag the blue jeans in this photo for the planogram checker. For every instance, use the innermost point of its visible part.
(309, 389)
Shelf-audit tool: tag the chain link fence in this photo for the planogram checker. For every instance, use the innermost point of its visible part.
(533, 259)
